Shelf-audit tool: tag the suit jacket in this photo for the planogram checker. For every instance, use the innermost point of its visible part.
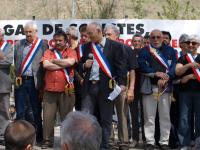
(115, 54)
(149, 65)
(38, 71)
(5, 80)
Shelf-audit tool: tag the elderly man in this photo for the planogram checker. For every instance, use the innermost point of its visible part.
(121, 103)
(29, 75)
(157, 61)
(20, 135)
(103, 62)
(80, 131)
(187, 69)
(6, 59)
(59, 87)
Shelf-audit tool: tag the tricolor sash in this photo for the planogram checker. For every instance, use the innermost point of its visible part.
(3, 46)
(80, 51)
(65, 71)
(105, 67)
(158, 57)
(101, 59)
(196, 71)
(30, 56)
(178, 54)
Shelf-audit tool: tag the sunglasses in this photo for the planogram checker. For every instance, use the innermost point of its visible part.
(193, 43)
(155, 37)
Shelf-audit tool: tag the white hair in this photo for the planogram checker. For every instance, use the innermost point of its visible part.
(72, 31)
(81, 131)
(114, 29)
(183, 38)
(194, 38)
(31, 24)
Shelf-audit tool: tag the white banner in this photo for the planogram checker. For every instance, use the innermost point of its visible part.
(128, 27)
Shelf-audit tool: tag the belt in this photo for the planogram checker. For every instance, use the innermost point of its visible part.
(94, 81)
(27, 77)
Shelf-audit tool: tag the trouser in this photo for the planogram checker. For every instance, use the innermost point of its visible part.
(122, 109)
(150, 104)
(4, 112)
(134, 111)
(27, 96)
(53, 102)
(102, 108)
(187, 101)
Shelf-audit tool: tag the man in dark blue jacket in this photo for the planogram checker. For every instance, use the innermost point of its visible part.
(157, 61)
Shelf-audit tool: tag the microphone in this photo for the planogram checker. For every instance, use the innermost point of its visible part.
(90, 56)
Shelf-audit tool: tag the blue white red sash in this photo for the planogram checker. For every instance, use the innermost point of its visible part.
(3, 46)
(178, 54)
(80, 51)
(101, 59)
(30, 56)
(65, 71)
(196, 71)
(158, 57)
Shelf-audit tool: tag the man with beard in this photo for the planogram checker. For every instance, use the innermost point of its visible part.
(59, 87)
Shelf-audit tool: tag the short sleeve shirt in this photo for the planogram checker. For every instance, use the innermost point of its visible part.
(55, 79)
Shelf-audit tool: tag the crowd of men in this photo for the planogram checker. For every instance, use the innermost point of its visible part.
(150, 82)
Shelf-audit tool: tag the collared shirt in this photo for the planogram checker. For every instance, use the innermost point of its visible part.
(94, 74)
(54, 79)
(27, 47)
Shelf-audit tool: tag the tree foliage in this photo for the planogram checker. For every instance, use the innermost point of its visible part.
(174, 9)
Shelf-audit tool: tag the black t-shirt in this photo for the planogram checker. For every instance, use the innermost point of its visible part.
(131, 58)
(191, 85)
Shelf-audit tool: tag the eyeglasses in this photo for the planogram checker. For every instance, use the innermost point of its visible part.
(193, 43)
(155, 37)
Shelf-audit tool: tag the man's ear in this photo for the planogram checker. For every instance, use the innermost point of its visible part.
(29, 147)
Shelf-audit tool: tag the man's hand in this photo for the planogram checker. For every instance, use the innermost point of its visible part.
(162, 83)
(186, 78)
(194, 65)
(162, 75)
(123, 88)
(130, 96)
(88, 63)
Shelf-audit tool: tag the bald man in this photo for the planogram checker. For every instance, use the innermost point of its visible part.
(157, 61)
(99, 82)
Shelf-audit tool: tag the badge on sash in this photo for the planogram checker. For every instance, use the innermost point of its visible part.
(18, 81)
(69, 89)
(112, 83)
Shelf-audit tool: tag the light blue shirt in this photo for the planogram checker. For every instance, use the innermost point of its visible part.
(94, 74)
(27, 47)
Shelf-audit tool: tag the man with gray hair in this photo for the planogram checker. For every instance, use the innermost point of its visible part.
(6, 59)
(99, 83)
(187, 68)
(183, 44)
(80, 131)
(121, 102)
(29, 75)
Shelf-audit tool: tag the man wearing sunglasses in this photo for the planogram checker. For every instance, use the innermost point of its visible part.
(187, 69)
(157, 61)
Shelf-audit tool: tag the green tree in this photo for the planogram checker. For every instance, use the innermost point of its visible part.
(177, 9)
